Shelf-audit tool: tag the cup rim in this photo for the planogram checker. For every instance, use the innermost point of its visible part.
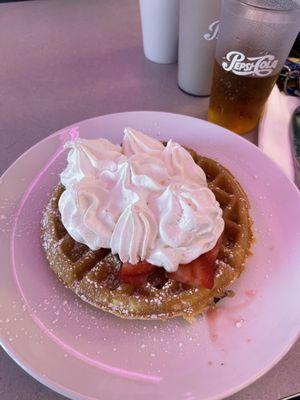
(247, 3)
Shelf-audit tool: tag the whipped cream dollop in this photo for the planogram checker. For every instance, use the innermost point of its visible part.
(143, 200)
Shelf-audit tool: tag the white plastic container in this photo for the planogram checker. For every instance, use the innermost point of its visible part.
(198, 32)
(160, 22)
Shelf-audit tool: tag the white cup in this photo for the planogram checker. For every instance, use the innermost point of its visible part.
(160, 20)
(198, 32)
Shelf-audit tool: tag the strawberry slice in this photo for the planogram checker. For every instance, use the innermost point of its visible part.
(200, 272)
(137, 280)
(141, 268)
(136, 274)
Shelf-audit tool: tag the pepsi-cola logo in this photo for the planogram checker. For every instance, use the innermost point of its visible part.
(239, 64)
(213, 31)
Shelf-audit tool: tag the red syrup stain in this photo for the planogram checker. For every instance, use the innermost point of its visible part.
(214, 315)
(251, 294)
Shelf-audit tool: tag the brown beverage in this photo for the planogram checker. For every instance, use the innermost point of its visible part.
(237, 101)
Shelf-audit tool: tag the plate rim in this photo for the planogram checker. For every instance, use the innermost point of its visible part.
(68, 392)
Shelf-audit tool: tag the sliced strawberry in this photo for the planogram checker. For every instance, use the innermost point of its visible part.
(141, 268)
(136, 274)
(200, 272)
(197, 273)
(137, 280)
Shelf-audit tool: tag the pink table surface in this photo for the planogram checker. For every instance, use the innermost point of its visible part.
(67, 60)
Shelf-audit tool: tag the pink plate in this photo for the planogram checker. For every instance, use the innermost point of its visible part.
(84, 353)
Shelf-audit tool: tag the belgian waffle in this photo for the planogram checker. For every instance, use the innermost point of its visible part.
(93, 275)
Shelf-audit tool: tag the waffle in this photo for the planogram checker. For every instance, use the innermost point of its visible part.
(93, 275)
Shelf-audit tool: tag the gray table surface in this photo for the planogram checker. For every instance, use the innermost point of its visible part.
(63, 61)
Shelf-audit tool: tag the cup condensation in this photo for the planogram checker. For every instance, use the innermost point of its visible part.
(254, 41)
